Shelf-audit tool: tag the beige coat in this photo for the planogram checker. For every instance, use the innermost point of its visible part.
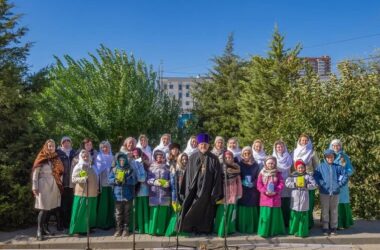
(80, 182)
(49, 196)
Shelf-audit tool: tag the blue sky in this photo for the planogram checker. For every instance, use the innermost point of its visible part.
(185, 35)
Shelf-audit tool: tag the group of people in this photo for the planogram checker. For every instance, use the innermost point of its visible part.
(165, 191)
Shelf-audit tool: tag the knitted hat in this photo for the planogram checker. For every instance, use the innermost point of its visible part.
(158, 152)
(203, 138)
(65, 138)
(299, 162)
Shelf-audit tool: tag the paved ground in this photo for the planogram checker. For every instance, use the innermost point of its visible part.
(363, 235)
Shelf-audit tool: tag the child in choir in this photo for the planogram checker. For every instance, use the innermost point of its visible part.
(233, 191)
(270, 185)
(123, 179)
(300, 183)
(159, 194)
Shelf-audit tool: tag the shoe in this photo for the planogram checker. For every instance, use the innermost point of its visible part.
(333, 231)
(117, 233)
(125, 233)
(39, 236)
(325, 232)
(46, 231)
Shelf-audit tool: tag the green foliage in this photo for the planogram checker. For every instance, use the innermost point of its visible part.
(217, 97)
(109, 97)
(268, 80)
(18, 136)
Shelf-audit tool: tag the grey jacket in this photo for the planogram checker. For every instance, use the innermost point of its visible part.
(300, 196)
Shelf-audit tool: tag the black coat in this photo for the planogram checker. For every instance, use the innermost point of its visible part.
(200, 189)
(67, 164)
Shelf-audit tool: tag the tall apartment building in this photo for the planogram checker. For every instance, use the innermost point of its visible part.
(180, 87)
(321, 65)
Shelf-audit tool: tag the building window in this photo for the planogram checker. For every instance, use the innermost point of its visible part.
(187, 86)
(180, 95)
(187, 94)
(187, 103)
(180, 86)
(170, 86)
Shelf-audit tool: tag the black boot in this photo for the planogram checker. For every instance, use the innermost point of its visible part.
(58, 220)
(125, 231)
(45, 224)
(39, 225)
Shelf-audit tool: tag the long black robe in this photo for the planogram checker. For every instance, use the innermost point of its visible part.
(201, 188)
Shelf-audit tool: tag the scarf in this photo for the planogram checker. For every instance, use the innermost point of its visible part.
(285, 160)
(189, 149)
(251, 159)
(269, 174)
(147, 150)
(232, 169)
(44, 156)
(259, 156)
(304, 153)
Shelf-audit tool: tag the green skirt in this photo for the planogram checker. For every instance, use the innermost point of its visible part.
(171, 230)
(142, 214)
(78, 223)
(247, 219)
(311, 207)
(285, 207)
(105, 218)
(271, 222)
(230, 219)
(345, 215)
(299, 223)
(158, 219)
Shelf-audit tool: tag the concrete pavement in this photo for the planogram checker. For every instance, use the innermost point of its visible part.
(363, 235)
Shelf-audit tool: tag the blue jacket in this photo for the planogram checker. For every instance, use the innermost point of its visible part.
(344, 195)
(330, 178)
(123, 190)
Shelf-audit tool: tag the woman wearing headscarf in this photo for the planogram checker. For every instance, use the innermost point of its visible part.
(306, 153)
(218, 149)
(345, 219)
(248, 204)
(85, 194)
(165, 141)
(47, 185)
(128, 146)
(192, 146)
(105, 211)
(258, 152)
(284, 164)
(143, 144)
(87, 145)
(233, 146)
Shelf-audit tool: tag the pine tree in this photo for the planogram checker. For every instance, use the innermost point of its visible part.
(216, 99)
(16, 132)
(268, 80)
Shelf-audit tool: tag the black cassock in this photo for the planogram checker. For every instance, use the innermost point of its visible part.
(201, 188)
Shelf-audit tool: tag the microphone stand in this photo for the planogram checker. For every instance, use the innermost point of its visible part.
(88, 218)
(225, 208)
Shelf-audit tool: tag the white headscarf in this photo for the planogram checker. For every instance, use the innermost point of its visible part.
(284, 161)
(259, 156)
(162, 147)
(236, 151)
(103, 161)
(147, 150)
(304, 153)
(189, 148)
(82, 162)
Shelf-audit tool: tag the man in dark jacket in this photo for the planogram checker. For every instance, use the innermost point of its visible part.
(66, 154)
(201, 188)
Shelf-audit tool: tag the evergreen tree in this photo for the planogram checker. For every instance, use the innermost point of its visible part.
(268, 80)
(16, 132)
(110, 96)
(216, 99)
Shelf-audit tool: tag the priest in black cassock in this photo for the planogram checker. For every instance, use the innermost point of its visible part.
(201, 188)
